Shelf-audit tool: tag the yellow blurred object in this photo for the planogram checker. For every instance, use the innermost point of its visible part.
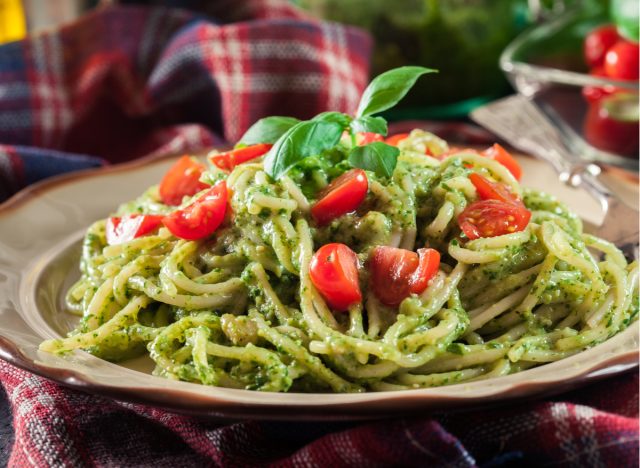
(13, 25)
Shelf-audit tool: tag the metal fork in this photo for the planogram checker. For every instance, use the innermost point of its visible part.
(519, 122)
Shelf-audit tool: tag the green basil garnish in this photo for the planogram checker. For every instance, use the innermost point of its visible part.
(304, 139)
(387, 89)
(294, 140)
(267, 130)
(338, 117)
(376, 157)
(369, 124)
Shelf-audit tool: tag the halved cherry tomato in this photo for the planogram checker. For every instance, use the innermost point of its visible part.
(427, 268)
(129, 227)
(341, 196)
(181, 180)
(621, 61)
(598, 42)
(455, 150)
(202, 217)
(364, 138)
(498, 153)
(490, 218)
(393, 140)
(396, 273)
(230, 159)
(334, 272)
(488, 190)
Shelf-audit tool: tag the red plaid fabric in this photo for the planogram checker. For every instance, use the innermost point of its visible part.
(591, 427)
(124, 83)
(128, 82)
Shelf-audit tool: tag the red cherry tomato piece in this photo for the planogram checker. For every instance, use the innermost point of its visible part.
(606, 133)
(181, 180)
(230, 159)
(397, 273)
(621, 61)
(490, 218)
(488, 190)
(202, 217)
(598, 42)
(498, 153)
(341, 196)
(334, 272)
(129, 227)
(455, 150)
(429, 261)
(364, 138)
(393, 140)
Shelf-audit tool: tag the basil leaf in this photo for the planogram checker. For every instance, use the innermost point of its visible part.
(304, 139)
(369, 124)
(387, 89)
(377, 157)
(338, 117)
(267, 130)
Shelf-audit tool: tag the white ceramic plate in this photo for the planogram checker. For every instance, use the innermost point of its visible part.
(40, 230)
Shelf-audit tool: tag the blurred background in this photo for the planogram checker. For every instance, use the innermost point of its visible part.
(483, 49)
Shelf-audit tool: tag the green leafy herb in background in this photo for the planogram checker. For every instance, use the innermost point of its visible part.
(295, 140)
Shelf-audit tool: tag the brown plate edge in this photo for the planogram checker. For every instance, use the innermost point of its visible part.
(390, 404)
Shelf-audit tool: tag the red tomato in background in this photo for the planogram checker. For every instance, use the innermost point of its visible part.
(621, 61)
(498, 153)
(488, 190)
(334, 272)
(495, 152)
(364, 138)
(397, 273)
(127, 228)
(393, 140)
(181, 180)
(230, 159)
(607, 133)
(202, 217)
(598, 42)
(491, 218)
(343, 195)
(595, 93)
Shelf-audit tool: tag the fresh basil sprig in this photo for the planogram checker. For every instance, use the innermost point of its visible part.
(267, 130)
(369, 124)
(377, 157)
(387, 89)
(338, 117)
(294, 140)
(304, 139)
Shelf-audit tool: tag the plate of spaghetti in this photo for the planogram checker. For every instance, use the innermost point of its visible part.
(321, 265)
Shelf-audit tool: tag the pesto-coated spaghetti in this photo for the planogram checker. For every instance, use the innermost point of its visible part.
(319, 257)
(238, 308)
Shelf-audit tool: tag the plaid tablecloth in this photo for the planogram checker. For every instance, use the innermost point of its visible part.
(129, 82)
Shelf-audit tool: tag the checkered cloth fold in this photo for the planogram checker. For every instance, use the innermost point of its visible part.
(128, 82)
(596, 426)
